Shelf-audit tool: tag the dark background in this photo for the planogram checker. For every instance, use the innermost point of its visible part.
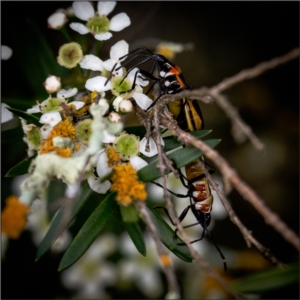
(228, 37)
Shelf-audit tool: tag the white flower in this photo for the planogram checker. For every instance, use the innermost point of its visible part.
(51, 118)
(39, 223)
(92, 272)
(46, 130)
(152, 146)
(66, 93)
(57, 20)
(52, 84)
(144, 271)
(91, 62)
(103, 170)
(142, 100)
(116, 51)
(97, 22)
(6, 115)
(6, 52)
(97, 84)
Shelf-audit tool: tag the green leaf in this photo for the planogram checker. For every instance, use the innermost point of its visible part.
(181, 157)
(56, 228)
(28, 117)
(21, 168)
(166, 235)
(171, 142)
(267, 280)
(89, 231)
(129, 213)
(136, 236)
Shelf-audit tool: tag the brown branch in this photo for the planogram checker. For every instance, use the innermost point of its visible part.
(173, 215)
(231, 175)
(249, 238)
(240, 129)
(255, 71)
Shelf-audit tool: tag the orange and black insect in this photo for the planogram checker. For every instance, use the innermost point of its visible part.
(188, 114)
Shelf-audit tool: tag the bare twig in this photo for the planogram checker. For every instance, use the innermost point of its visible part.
(173, 215)
(255, 71)
(240, 128)
(249, 238)
(231, 175)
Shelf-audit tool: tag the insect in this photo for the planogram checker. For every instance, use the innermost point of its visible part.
(171, 80)
(201, 201)
(188, 115)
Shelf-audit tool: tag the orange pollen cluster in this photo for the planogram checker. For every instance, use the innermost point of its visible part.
(14, 217)
(165, 260)
(113, 156)
(64, 128)
(126, 184)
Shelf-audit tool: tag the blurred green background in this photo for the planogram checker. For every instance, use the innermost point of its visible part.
(227, 37)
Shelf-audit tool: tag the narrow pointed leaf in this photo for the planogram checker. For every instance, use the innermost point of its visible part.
(171, 142)
(28, 117)
(181, 157)
(21, 168)
(136, 236)
(166, 234)
(268, 280)
(89, 231)
(56, 227)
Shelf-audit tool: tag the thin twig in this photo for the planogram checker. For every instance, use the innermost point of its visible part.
(240, 128)
(249, 238)
(231, 175)
(173, 215)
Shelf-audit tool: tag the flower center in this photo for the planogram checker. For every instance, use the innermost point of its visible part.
(98, 24)
(118, 88)
(51, 105)
(127, 145)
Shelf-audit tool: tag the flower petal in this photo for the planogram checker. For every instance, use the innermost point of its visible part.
(97, 186)
(66, 93)
(108, 137)
(52, 118)
(102, 168)
(83, 10)
(91, 62)
(103, 36)
(109, 64)
(119, 22)
(104, 8)
(80, 28)
(45, 130)
(138, 163)
(97, 84)
(118, 50)
(77, 104)
(152, 146)
(117, 102)
(140, 80)
(142, 100)
(6, 52)
(6, 115)
(57, 20)
(34, 109)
